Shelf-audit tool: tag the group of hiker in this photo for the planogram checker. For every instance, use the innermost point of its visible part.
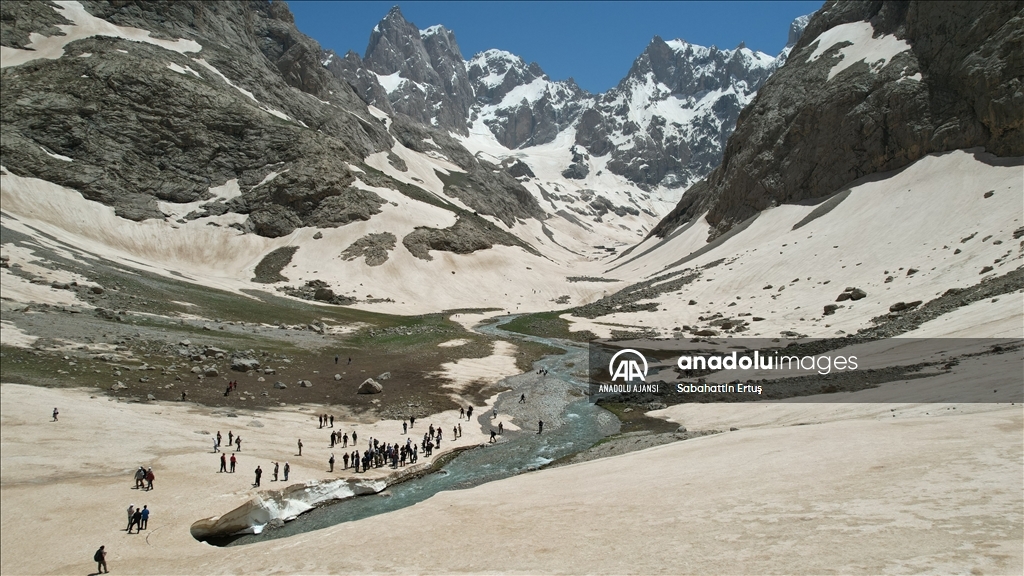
(144, 479)
(138, 518)
(232, 439)
(231, 386)
(378, 455)
(337, 437)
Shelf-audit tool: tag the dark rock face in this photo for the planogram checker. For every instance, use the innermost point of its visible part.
(19, 18)
(139, 132)
(958, 85)
(466, 236)
(482, 186)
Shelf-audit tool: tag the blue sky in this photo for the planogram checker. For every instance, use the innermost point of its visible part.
(593, 42)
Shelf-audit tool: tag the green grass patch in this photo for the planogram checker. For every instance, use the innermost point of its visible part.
(547, 325)
(530, 352)
(633, 419)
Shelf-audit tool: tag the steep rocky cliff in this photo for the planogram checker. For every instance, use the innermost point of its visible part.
(870, 87)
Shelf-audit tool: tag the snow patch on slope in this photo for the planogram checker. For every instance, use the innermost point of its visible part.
(862, 46)
(84, 25)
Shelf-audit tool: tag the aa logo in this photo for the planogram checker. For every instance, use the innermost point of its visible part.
(626, 368)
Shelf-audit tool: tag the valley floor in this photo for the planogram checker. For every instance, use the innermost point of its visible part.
(860, 491)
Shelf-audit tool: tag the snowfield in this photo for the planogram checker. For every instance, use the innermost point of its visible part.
(915, 218)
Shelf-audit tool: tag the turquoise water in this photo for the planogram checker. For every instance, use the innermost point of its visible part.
(578, 426)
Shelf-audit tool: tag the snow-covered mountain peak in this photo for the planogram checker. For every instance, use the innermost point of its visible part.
(431, 30)
(494, 68)
(664, 125)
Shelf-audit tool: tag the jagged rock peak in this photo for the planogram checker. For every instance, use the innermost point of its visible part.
(518, 102)
(421, 72)
(796, 30)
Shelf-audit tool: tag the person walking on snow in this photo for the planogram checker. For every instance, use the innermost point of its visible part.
(300, 446)
(55, 414)
(223, 464)
(136, 521)
(100, 557)
(331, 462)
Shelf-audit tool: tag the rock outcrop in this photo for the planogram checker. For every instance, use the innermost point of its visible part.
(373, 248)
(467, 235)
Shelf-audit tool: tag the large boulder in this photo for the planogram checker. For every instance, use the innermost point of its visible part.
(244, 364)
(901, 306)
(370, 386)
